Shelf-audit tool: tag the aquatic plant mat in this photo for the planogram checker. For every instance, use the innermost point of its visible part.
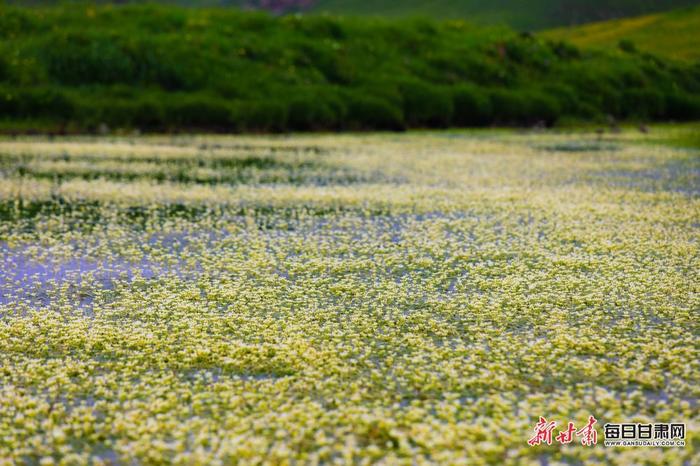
(415, 298)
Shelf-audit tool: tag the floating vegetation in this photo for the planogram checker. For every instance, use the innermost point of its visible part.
(398, 299)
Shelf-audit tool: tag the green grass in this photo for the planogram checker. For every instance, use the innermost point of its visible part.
(517, 14)
(523, 15)
(684, 136)
(160, 68)
(534, 14)
(674, 34)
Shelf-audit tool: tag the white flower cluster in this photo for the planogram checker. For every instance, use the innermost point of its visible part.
(411, 299)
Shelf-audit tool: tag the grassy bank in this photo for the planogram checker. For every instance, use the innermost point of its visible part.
(159, 68)
(675, 34)
(522, 15)
(528, 15)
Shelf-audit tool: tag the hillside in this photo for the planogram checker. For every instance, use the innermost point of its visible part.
(674, 34)
(520, 14)
(161, 68)
(532, 14)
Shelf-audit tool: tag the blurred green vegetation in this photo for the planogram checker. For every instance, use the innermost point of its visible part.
(521, 14)
(675, 34)
(164, 68)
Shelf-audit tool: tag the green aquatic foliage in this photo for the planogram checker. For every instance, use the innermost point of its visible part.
(410, 299)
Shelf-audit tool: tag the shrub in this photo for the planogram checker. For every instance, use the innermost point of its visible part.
(9, 104)
(315, 109)
(524, 107)
(627, 46)
(541, 107)
(306, 113)
(197, 112)
(509, 107)
(146, 112)
(682, 106)
(643, 103)
(149, 115)
(368, 112)
(319, 27)
(4, 69)
(36, 103)
(471, 106)
(14, 21)
(425, 105)
(81, 59)
(115, 113)
(565, 50)
(154, 64)
(261, 115)
(569, 102)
